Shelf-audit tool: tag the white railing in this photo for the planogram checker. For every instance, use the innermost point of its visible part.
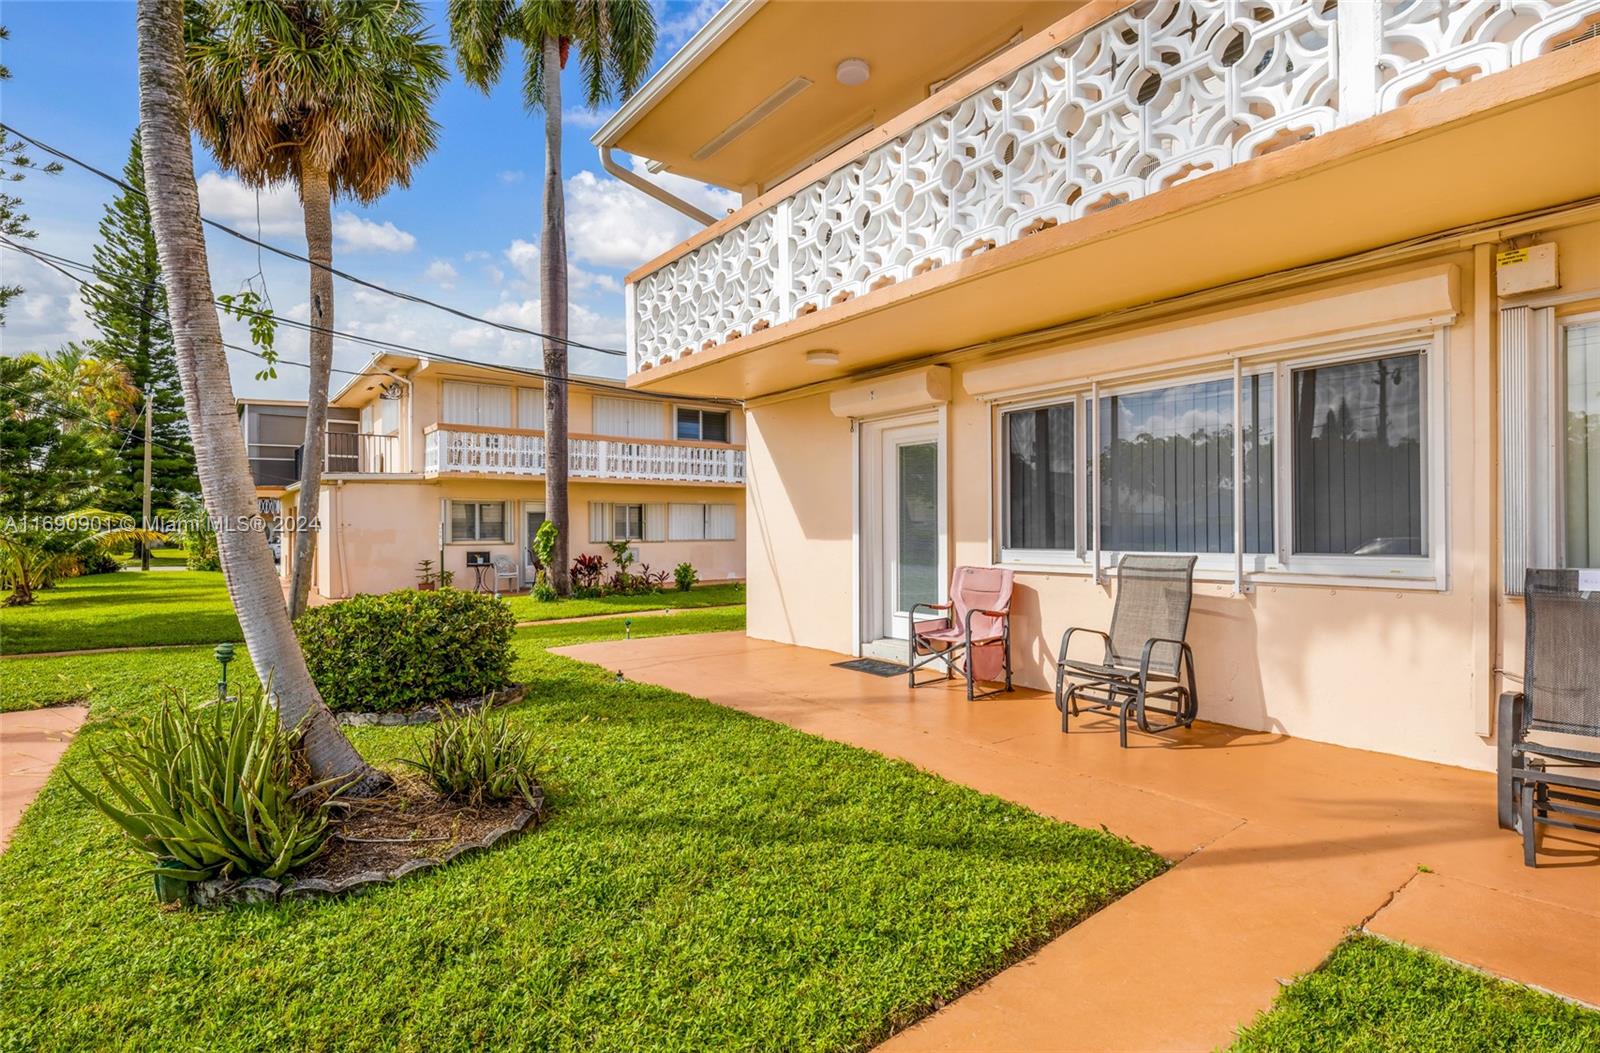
(1160, 93)
(509, 452)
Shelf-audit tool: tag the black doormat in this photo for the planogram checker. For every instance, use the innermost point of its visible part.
(875, 666)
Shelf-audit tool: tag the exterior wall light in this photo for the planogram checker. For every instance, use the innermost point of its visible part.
(853, 71)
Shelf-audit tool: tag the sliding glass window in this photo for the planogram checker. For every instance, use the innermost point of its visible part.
(1166, 467)
(1038, 504)
(1358, 482)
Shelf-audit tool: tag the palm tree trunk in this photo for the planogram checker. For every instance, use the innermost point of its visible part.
(317, 206)
(553, 312)
(208, 401)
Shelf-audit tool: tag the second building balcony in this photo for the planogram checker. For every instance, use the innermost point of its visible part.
(452, 450)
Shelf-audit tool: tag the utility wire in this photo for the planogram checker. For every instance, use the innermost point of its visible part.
(242, 236)
(40, 401)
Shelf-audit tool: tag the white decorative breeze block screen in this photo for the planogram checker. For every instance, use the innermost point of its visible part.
(1160, 93)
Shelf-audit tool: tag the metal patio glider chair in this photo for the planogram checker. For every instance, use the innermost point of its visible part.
(1145, 658)
(1543, 782)
(975, 627)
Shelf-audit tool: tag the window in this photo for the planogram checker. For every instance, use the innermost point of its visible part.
(698, 425)
(1166, 468)
(627, 522)
(628, 418)
(477, 521)
(1580, 445)
(1345, 489)
(697, 522)
(485, 405)
(530, 408)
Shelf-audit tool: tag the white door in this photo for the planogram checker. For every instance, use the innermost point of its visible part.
(532, 517)
(903, 535)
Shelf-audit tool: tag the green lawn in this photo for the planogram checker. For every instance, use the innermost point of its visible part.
(161, 557)
(708, 880)
(1372, 995)
(124, 609)
(528, 609)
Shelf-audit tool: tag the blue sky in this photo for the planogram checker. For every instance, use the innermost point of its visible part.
(464, 233)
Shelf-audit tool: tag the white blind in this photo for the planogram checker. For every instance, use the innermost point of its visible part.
(486, 405)
(655, 522)
(530, 408)
(688, 522)
(719, 522)
(599, 522)
(628, 418)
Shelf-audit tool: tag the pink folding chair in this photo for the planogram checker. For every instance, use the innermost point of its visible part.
(975, 628)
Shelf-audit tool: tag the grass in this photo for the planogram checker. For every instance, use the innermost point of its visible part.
(707, 880)
(124, 609)
(160, 557)
(528, 609)
(1372, 995)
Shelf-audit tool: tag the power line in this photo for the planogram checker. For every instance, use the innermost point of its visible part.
(242, 236)
(40, 401)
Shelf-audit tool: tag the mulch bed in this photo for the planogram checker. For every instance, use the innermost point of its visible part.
(434, 713)
(380, 840)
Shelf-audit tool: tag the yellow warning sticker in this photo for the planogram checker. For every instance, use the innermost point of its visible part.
(1507, 258)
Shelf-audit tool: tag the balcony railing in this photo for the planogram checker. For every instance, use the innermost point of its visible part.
(352, 452)
(1160, 93)
(518, 452)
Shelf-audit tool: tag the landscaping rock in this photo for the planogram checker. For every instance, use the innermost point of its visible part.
(432, 714)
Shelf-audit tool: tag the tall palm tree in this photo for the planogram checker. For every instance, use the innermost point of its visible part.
(615, 40)
(208, 398)
(333, 96)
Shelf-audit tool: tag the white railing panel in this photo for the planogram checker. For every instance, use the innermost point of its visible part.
(494, 453)
(1160, 93)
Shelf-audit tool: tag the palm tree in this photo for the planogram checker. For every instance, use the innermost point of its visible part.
(615, 40)
(333, 96)
(208, 399)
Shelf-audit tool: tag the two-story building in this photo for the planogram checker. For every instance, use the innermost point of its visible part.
(432, 459)
(1310, 289)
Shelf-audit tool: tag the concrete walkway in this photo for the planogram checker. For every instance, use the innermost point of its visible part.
(31, 742)
(1281, 846)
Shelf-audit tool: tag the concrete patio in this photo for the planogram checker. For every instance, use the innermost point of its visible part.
(1281, 847)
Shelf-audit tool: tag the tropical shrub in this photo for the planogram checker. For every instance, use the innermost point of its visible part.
(407, 649)
(685, 576)
(211, 791)
(479, 757)
(586, 571)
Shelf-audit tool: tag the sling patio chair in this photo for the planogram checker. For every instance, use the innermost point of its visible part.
(1545, 782)
(1145, 657)
(975, 627)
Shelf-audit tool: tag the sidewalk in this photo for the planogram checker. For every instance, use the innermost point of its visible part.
(31, 742)
(1281, 847)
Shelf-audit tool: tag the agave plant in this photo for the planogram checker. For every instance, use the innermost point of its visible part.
(209, 791)
(479, 757)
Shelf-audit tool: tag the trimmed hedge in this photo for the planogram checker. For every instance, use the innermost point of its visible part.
(407, 649)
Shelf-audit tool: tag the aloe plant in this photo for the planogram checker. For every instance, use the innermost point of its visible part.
(209, 791)
(479, 757)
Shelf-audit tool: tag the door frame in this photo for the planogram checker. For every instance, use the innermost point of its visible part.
(523, 508)
(865, 434)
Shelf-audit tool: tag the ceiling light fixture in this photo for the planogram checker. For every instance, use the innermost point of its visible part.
(822, 358)
(853, 71)
(762, 111)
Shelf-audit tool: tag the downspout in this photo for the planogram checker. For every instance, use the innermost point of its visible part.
(644, 185)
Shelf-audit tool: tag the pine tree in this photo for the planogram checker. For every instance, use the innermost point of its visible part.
(128, 304)
(51, 462)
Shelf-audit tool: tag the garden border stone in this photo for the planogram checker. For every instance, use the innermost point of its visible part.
(223, 892)
(504, 696)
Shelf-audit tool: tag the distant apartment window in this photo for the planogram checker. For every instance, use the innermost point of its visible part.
(477, 521)
(1357, 435)
(1166, 468)
(1578, 380)
(530, 408)
(627, 522)
(701, 522)
(628, 418)
(485, 405)
(698, 425)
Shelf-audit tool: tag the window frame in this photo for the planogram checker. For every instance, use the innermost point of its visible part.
(1282, 565)
(700, 424)
(477, 537)
(1553, 433)
(625, 508)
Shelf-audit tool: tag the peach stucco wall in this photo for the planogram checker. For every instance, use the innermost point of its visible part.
(1409, 670)
(379, 530)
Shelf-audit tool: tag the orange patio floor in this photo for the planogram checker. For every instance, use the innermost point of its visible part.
(1282, 846)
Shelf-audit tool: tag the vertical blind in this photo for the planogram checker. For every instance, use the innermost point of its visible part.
(1038, 477)
(629, 418)
(1357, 431)
(1582, 445)
(486, 405)
(530, 408)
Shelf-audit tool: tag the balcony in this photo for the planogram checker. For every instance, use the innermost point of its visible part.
(1156, 96)
(355, 453)
(521, 453)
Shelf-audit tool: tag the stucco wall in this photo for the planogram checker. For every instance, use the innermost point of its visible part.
(1407, 670)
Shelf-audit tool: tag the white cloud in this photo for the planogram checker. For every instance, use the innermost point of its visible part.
(678, 22)
(225, 199)
(442, 273)
(524, 256)
(354, 233)
(495, 275)
(611, 224)
(512, 175)
(583, 117)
